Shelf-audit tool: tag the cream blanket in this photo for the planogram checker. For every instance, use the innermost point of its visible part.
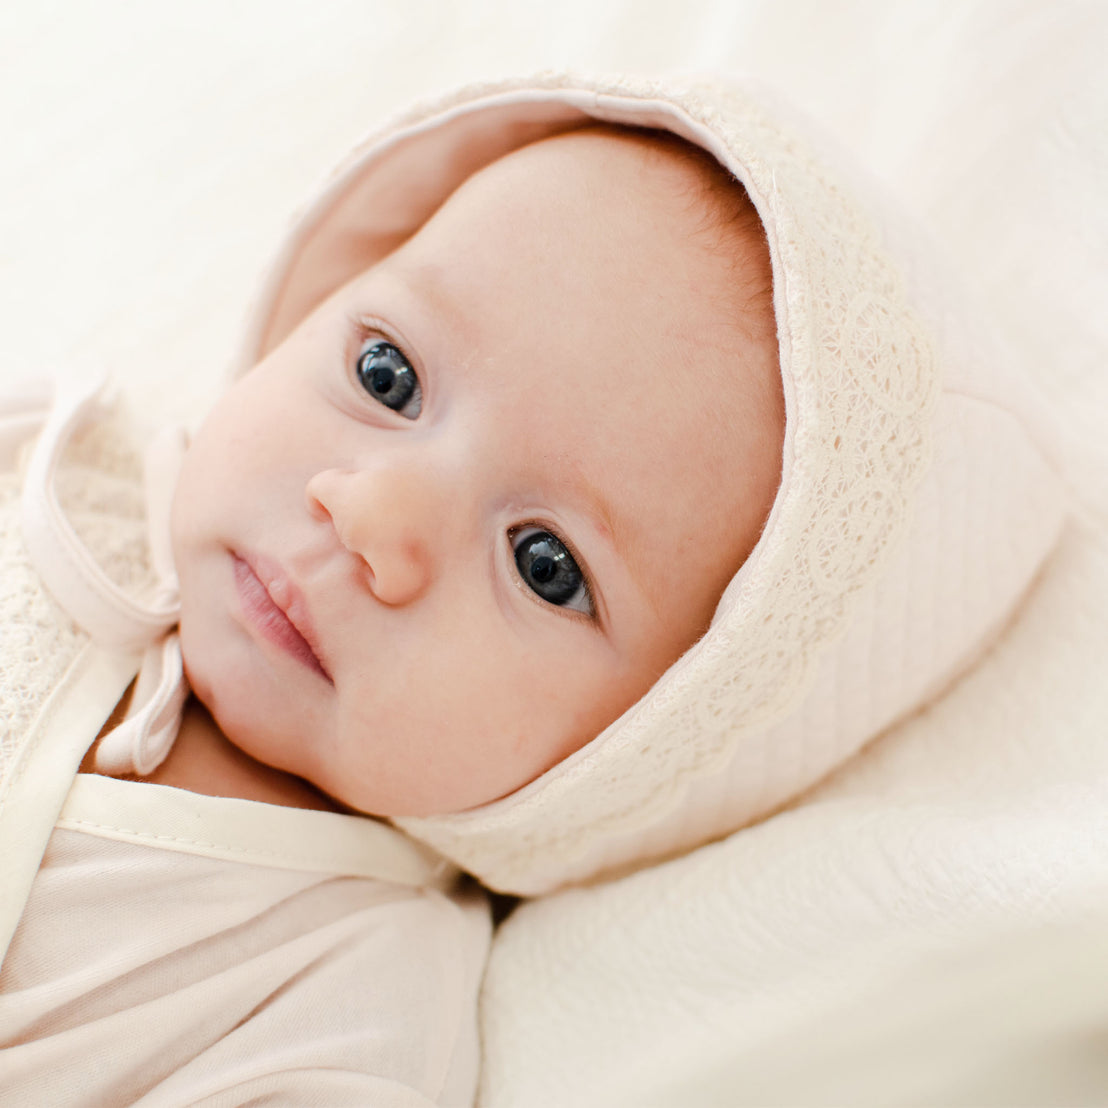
(148, 167)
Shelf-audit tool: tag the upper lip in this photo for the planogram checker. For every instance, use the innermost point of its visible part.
(287, 595)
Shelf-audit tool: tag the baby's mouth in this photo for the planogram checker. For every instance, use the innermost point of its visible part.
(269, 616)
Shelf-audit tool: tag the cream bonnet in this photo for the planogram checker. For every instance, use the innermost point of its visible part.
(915, 504)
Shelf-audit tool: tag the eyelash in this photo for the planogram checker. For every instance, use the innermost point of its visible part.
(367, 328)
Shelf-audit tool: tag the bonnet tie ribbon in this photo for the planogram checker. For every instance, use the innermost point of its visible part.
(95, 602)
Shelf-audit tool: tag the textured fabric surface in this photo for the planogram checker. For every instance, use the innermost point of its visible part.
(141, 974)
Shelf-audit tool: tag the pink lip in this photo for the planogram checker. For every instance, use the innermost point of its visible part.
(275, 608)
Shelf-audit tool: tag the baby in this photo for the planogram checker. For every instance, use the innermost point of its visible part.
(470, 509)
(552, 514)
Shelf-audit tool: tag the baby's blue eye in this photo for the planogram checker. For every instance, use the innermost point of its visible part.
(548, 569)
(388, 376)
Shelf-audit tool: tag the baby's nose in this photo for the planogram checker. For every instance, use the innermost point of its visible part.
(387, 520)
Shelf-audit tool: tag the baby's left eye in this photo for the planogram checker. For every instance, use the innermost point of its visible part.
(548, 569)
(387, 375)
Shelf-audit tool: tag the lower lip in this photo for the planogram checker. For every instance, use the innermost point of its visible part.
(269, 621)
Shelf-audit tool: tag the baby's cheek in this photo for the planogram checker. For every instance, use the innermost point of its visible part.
(622, 684)
(570, 712)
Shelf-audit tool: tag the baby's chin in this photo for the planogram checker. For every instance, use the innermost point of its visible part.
(225, 698)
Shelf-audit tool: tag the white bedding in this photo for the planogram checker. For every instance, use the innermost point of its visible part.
(151, 154)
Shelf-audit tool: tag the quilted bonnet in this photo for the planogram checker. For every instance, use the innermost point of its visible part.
(915, 506)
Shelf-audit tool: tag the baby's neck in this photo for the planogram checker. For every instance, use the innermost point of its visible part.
(204, 760)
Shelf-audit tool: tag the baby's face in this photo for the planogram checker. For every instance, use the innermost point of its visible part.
(475, 505)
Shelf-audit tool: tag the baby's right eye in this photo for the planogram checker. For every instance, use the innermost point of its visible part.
(549, 570)
(387, 375)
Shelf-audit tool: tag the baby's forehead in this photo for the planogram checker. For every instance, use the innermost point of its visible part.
(610, 195)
